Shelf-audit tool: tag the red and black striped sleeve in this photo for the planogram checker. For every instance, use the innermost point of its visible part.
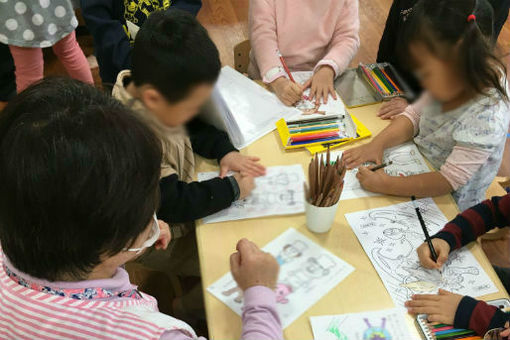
(479, 316)
(476, 221)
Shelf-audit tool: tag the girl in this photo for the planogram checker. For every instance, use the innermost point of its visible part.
(68, 157)
(460, 123)
(29, 26)
(319, 35)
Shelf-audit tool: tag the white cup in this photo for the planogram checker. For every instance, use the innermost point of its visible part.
(320, 219)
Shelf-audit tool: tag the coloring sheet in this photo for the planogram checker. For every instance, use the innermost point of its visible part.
(279, 192)
(407, 161)
(307, 273)
(388, 324)
(390, 237)
(309, 108)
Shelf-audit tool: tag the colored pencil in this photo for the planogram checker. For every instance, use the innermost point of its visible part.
(314, 136)
(313, 128)
(385, 79)
(313, 124)
(325, 179)
(314, 141)
(381, 77)
(313, 120)
(370, 78)
(391, 75)
(380, 82)
(311, 133)
(285, 67)
(381, 166)
(391, 80)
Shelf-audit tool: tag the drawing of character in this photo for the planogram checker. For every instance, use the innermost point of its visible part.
(314, 269)
(376, 332)
(282, 291)
(234, 290)
(291, 251)
(333, 332)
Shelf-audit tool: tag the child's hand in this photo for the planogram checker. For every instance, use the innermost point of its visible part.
(365, 153)
(251, 266)
(321, 84)
(288, 92)
(392, 108)
(246, 185)
(164, 236)
(374, 181)
(442, 249)
(439, 308)
(246, 165)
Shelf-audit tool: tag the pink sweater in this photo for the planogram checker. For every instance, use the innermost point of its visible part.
(308, 33)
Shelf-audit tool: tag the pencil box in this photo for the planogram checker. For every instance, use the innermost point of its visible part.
(371, 83)
(304, 133)
(433, 331)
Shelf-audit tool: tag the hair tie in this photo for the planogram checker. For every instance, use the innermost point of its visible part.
(471, 17)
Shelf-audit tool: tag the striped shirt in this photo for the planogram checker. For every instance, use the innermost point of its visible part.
(466, 228)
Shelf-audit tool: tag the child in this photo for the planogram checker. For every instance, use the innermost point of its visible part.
(389, 43)
(29, 26)
(460, 123)
(114, 24)
(453, 309)
(81, 172)
(310, 35)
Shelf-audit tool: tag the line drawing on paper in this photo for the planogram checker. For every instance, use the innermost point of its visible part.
(394, 234)
(307, 273)
(279, 192)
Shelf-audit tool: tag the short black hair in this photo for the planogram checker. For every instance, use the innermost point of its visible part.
(174, 53)
(79, 177)
(443, 26)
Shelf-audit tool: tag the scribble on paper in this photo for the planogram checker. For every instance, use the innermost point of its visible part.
(307, 273)
(386, 324)
(395, 233)
(279, 192)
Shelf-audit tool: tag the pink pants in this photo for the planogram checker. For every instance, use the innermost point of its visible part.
(29, 62)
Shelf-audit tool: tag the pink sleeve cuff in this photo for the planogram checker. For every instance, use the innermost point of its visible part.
(328, 62)
(461, 164)
(273, 74)
(414, 116)
(259, 295)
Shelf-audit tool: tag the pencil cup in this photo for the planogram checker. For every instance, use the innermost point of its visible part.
(320, 219)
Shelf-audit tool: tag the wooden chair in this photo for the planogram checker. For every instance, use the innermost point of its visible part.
(242, 56)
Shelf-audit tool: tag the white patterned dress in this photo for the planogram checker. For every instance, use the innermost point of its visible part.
(35, 23)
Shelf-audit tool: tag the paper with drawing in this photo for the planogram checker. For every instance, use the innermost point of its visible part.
(388, 324)
(390, 236)
(407, 161)
(279, 192)
(307, 273)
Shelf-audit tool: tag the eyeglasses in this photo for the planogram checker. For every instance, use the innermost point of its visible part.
(154, 235)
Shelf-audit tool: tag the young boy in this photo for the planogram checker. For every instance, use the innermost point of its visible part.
(114, 24)
(175, 65)
(79, 177)
(453, 309)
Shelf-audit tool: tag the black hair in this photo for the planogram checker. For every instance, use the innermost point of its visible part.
(462, 29)
(79, 177)
(174, 53)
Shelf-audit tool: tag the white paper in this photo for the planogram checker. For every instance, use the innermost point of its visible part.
(390, 237)
(243, 109)
(279, 192)
(307, 273)
(407, 161)
(308, 108)
(388, 324)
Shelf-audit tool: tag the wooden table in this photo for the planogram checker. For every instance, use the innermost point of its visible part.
(362, 290)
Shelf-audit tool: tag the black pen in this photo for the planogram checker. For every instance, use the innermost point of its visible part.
(425, 231)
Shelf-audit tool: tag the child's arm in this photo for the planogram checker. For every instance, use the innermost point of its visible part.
(345, 41)
(476, 221)
(263, 38)
(183, 202)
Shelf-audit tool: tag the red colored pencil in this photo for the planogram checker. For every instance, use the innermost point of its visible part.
(285, 67)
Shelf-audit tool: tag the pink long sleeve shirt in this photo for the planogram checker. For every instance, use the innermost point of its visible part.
(308, 33)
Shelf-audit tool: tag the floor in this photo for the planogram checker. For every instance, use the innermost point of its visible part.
(226, 21)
